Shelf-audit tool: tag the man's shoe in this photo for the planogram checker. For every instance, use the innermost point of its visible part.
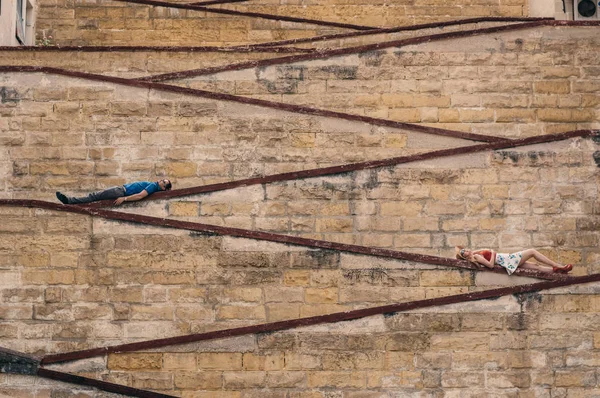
(63, 198)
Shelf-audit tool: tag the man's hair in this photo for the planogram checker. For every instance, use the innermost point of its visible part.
(168, 186)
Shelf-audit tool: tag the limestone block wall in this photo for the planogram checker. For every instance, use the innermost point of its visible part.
(116, 23)
(72, 282)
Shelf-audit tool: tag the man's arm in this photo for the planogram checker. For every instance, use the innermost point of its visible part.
(132, 198)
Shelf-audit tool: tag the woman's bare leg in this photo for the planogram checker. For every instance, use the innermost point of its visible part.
(537, 267)
(529, 253)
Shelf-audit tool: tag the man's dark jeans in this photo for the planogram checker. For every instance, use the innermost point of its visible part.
(110, 193)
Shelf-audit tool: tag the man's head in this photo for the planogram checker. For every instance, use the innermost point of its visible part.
(165, 185)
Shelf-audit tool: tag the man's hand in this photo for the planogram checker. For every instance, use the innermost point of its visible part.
(120, 200)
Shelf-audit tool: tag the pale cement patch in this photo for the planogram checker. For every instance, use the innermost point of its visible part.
(159, 95)
(334, 125)
(431, 141)
(152, 208)
(250, 245)
(85, 365)
(495, 41)
(252, 193)
(504, 304)
(372, 324)
(329, 180)
(235, 75)
(245, 343)
(106, 227)
(542, 8)
(356, 261)
(493, 279)
(242, 110)
(478, 160)
(342, 60)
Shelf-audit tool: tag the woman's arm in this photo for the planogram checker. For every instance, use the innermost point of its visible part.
(132, 198)
(481, 260)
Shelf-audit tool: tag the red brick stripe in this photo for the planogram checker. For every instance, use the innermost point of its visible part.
(394, 30)
(321, 319)
(187, 49)
(99, 384)
(271, 237)
(247, 14)
(364, 48)
(253, 101)
(351, 167)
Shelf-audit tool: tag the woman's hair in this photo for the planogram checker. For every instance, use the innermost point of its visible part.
(460, 253)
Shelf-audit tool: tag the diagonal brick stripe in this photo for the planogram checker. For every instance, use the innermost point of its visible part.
(271, 237)
(194, 7)
(394, 30)
(253, 101)
(351, 167)
(361, 49)
(213, 2)
(99, 384)
(321, 319)
(187, 49)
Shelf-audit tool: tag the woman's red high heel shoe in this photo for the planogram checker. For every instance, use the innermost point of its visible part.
(566, 269)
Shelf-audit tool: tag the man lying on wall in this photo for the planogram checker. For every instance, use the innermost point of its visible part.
(125, 193)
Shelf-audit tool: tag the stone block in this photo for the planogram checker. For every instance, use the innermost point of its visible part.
(205, 380)
(240, 312)
(456, 379)
(552, 87)
(184, 209)
(476, 115)
(286, 379)
(244, 380)
(334, 225)
(326, 295)
(127, 108)
(220, 361)
(336, 380)
(575, 378)
(153, 381)
(270, 362)
(135, 361)
(406, 209)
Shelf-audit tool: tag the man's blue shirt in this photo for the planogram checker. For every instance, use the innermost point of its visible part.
(138, 186)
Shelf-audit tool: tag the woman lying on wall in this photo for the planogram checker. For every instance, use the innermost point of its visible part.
(511, 261)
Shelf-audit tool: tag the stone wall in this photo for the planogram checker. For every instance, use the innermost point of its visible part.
(115, 23)
(71, 282)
